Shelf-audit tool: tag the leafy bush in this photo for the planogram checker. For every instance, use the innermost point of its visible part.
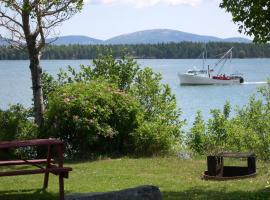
(248, 130)
(196, 137)
(16, 124)
(212, 137)
(155, 121)
(93, 117)
(156, 137)
(255, 120)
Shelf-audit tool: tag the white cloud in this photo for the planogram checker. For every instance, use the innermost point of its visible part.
(146, 3)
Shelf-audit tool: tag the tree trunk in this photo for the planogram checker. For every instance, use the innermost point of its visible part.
(36, 72)
(34, 53)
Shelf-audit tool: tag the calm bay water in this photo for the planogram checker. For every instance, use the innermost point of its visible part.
(15, 82)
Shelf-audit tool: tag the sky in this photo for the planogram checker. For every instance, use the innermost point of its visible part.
(103, 19)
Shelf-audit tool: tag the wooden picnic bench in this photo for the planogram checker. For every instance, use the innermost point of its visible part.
(44, 166)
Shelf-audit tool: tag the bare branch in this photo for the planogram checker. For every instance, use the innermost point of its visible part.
(40, 29)
(12, 28)
(13, 19)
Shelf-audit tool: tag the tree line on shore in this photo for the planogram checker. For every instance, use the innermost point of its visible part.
(183, 50)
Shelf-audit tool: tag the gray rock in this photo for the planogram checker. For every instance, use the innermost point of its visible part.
(139, 193)
(184, 155)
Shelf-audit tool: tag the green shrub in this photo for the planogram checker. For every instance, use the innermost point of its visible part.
(212, 137)
(154, 126)
(156, 137)
(255, 120)
(93, 117)
(196, 137)
(162, 128)
(248, 130)
(16, 124)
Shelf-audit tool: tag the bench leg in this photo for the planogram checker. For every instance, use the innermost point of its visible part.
(61, 187)
(46, 180)
(46, 176)
(60, 151)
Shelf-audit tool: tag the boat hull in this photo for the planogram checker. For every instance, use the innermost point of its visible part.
(188, 79)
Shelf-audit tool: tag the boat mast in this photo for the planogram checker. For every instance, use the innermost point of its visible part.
(205, 52)
(204, 55)
(203, 59)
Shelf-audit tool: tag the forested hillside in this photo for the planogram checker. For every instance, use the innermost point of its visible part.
(169, 51)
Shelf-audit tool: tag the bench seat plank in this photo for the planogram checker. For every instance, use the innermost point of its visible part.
(55, 170)
(27, 143)
(235, 155)
(24, 162)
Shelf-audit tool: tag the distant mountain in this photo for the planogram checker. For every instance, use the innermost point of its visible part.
(166, 36)
(237, 39)
(74, 39)
(146, 37)
(158, 36)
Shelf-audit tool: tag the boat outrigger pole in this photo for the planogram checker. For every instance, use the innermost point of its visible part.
(224, 56)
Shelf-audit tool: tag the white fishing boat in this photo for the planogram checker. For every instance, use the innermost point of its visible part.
(205, 77)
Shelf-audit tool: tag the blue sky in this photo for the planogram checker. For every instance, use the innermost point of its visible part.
(103, 19)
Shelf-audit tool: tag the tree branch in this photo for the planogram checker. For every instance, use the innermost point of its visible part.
(4, 15)
(58, 9)
(40, 29)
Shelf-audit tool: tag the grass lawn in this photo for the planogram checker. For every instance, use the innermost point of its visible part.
(177, 179)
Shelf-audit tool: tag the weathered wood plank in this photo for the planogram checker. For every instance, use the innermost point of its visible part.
(27, 143)
(24, 162)
(55, 170)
